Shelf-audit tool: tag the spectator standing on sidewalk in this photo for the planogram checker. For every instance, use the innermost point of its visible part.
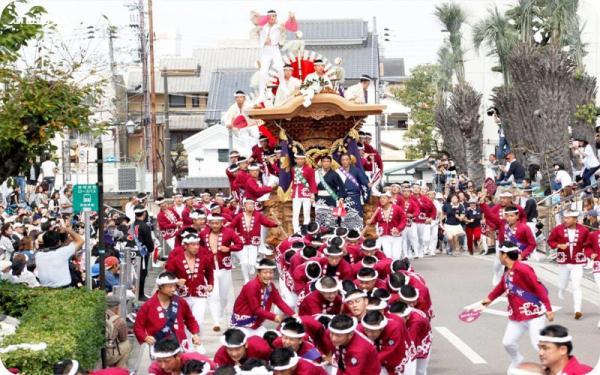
(48, 173)
(118, 346)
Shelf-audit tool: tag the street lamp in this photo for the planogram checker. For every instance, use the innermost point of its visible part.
(130, 125)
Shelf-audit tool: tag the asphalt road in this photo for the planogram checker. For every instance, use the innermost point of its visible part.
(476, 348)
(461, 348)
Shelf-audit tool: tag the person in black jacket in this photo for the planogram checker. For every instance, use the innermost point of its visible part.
(512, 169)
(143, 232)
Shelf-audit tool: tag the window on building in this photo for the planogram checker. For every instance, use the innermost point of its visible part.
(402, 124)
(223, 155)
(196, 101)
(176, 101)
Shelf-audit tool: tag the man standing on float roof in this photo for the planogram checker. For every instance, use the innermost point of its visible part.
(270, 38)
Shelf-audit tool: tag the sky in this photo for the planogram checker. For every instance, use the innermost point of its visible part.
(415, 32)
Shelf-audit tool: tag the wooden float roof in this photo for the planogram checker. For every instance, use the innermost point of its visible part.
(323, 105)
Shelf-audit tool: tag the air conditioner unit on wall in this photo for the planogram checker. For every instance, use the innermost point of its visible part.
(126, 179)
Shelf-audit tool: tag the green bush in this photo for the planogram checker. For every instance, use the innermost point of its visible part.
(70, 321)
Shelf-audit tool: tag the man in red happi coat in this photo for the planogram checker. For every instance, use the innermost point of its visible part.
(253, 304)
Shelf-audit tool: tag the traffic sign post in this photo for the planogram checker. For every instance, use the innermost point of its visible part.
(85, 196)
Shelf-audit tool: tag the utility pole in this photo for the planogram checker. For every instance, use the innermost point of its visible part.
(146, 98)
(168, 179)
(155, 148)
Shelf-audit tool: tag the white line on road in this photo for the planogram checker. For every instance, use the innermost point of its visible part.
(461, 346)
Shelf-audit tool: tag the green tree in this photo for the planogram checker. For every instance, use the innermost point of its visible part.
(39, 102)
(452, 17)
(419, 95)
(499, 36)
(16, 31)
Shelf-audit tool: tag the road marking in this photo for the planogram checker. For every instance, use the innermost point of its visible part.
(504, 313)
(461, 346)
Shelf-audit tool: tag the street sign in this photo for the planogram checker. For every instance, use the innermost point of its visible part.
(85, 196)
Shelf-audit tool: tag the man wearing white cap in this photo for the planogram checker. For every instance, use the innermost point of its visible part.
(392, 341)
(292, 85)
(303, 188)
(570, 239)
(353, 353)
(168, 221)
(236, 347)
(284, 361)
(427, 213)
(325, 299)
(243, 128)
(555, 347)
(248, 226)
(170, 359)
(253, 304)
(319, 74)
(178, 205)
(271, 35)
(359, 93)
(528, 303)
(510, 223)
(165, 315)
(390, 221)
(221, 242)
(194, 269)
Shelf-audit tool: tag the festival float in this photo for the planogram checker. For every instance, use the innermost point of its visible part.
(317, 120)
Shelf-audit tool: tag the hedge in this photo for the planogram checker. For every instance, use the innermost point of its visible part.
(70, 321)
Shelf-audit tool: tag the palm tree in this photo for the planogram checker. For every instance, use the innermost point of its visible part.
(452, 17)
(499, 36)
(523, 15)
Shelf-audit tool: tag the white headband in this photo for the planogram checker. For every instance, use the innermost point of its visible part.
(265, 267)
(344, 331)
(196, 216)
(504, 249)
(365, 248)
(355, 296)
(556, 340)
(215, 217)
(190, 239)
(326, 252)
(320, 287)
(406, 311)
(368, 278)
(571, 214)
(380, 306)
(292, 363)
(228, 345)
(74, 368)
(381, 325)
(155, 354)
(510, 212)
(165, 280)
(413, 299)
(292, 334)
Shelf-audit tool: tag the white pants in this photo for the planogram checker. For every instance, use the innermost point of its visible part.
(198, 307)
(422, 364)
(574, 272)
(409, 240)
(424, 235)
(217, 302)
(171, 243)
(288, 296)
(433, 237)
(513, 332)
(497, 268)
(411, 367)
(247, 257)
(386, 245)
(297, 204)
(270, 55)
